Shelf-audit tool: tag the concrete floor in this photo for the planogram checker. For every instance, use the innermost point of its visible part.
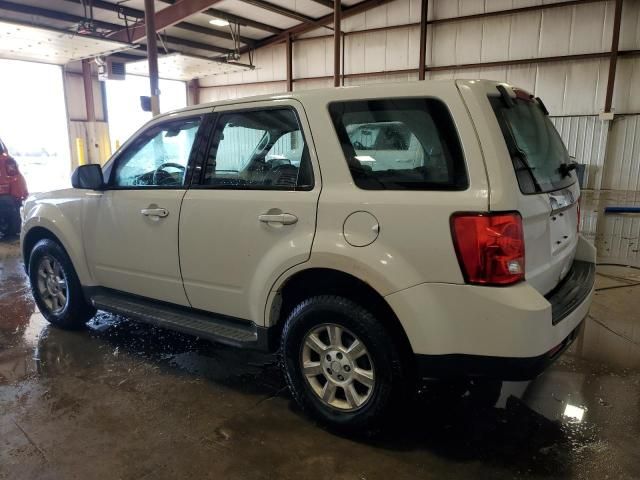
(125, 400)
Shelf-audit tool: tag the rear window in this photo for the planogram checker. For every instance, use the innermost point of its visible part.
(536, 149)
(3, 149)
(400, 144)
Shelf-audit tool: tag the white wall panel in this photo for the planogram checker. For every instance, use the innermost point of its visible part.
(496, 5)
(555, 31)
(228, 92)
(470, 7)
(382, 78)
(375, 50)
(525, 35)
(354, 49)
(469, 35)
(313, 83)
(397, 57)
(586, 140)
(523, 76)
(623, 154)
(495, 38)
(630, 25)
(583, 92)
(443, 46)
(626, 94)
(587, 29)
(568, 88)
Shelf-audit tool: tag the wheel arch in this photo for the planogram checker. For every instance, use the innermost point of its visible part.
(32, 234)
(316, 281)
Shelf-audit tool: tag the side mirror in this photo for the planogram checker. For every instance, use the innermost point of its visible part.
(88, 177)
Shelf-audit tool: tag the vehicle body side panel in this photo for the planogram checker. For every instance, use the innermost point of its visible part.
(229, 259)
(61, 213)
(414, 244)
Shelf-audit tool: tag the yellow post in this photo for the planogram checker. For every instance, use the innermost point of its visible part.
(82, 158)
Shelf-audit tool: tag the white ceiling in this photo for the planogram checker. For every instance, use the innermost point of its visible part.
(22, 42)
(177, 66)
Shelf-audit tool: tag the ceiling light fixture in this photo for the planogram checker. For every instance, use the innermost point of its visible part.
(218, 22)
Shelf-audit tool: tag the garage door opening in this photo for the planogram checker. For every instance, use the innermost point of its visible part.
(123, 104)
(33, 124)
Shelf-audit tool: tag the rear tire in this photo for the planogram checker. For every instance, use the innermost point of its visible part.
(56, 287)
(341, 365)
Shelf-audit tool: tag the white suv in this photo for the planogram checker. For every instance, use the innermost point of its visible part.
(372, 234)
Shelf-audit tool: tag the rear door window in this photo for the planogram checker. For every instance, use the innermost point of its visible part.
(259, 149)
(537, 151)
(400, 144)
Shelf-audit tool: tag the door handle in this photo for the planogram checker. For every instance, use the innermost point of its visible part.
(155, 212)
(283, 218)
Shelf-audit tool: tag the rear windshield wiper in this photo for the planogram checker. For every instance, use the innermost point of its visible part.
(565, 168)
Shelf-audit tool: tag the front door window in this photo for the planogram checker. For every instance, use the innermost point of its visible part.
(158, 157)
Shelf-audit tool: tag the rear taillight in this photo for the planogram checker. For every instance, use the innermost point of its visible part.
(578, 215)
(11, 167)
(490, 247)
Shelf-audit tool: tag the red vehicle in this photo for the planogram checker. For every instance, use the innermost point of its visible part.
(13, 191)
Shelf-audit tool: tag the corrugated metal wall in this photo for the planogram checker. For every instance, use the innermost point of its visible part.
(586, 140)
(572, 90)
(623, 155)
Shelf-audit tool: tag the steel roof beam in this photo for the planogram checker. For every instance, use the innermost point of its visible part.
(139, 14)
(67, 17)
(285, 12)
(326, 3)
(164, 18)
(320, 22)
(231, 18)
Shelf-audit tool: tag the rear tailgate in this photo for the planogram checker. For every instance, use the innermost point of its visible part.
(526, 164)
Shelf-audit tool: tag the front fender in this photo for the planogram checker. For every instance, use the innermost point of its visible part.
(63, 218)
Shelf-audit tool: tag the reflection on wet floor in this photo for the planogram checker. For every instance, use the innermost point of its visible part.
(127, 400)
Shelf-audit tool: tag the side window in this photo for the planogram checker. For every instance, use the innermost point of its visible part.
(261, 149)
(400, 144)
(158, 157)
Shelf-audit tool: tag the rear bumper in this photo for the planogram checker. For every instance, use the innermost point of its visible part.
(510, 333)
(500, 368)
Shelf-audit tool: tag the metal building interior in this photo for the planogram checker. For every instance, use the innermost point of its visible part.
(125, 400)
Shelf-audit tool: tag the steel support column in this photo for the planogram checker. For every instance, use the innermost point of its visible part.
(152, 54)
(88, 90)
(613, 56)
(423, 39)
(289, 54)
(337, 17)
(193, 88)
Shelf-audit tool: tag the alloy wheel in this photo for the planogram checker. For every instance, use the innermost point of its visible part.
(52, 284)
(337, 367)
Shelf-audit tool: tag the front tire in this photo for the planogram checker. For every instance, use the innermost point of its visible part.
(56, 287)
(341, 364)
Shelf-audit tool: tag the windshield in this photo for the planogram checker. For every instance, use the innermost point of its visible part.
(536, 149)
(3, 149)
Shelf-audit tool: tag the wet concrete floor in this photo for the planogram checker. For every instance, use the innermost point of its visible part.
(126, 400)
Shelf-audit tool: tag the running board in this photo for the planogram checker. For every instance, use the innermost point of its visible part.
(237, 333)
